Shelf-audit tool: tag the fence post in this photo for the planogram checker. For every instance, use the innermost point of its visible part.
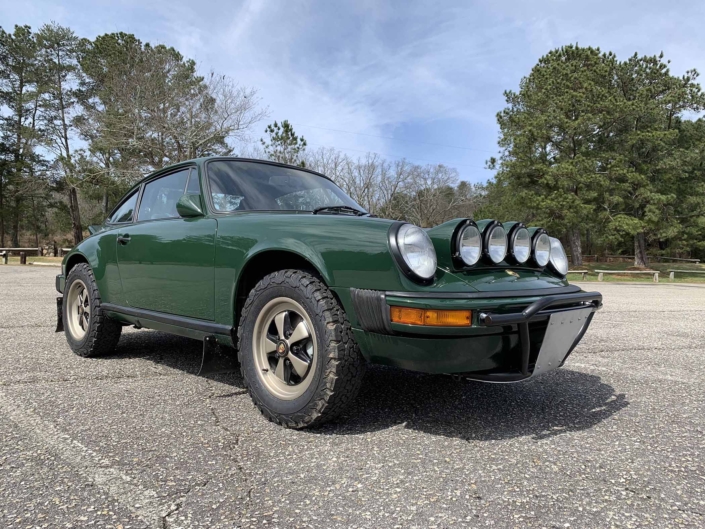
(656, 277)
(600, 277)
(672, 276)
(5, 257)
(23, 258)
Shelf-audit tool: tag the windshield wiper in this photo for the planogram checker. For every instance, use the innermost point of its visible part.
(341, 208)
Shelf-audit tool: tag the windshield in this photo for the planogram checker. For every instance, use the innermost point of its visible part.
(252, 186)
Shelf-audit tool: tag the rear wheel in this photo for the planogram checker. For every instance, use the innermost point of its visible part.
(88, 331)
(297, 353)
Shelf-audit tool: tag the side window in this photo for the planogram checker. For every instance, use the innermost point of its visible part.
(161, 195)
(193, 187)
(124, 212)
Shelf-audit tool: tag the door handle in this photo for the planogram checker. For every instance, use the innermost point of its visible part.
(123, 239)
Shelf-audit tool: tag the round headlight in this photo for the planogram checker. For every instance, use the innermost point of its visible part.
(496, 243)
(559, 260)
(470, 245)
(416, 250)
(542, 248)
(520, 245)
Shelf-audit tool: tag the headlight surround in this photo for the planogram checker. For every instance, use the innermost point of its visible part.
(468, 243)
(541, 247)
(519, 243)
(495, 242)
(559, 260)
(413, 251)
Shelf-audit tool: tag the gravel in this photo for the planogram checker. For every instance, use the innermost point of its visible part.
(614, 439)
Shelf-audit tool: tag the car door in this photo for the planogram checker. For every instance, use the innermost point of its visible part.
(166, 262)
(107, 274)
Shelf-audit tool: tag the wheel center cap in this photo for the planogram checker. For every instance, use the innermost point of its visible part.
(282, 349)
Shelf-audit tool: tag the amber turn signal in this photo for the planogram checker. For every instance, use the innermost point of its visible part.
(433, 318)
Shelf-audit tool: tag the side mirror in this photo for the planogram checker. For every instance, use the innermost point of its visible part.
(189, 206)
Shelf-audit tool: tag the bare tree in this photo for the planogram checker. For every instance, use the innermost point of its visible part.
(329, 161)
(393, 183)
(426, 195)
(430, 195)
(210, 115)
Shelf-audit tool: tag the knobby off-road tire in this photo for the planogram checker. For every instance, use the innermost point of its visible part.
(334, 373)
(88, 331)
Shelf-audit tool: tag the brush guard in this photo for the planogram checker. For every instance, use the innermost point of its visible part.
(569, 317)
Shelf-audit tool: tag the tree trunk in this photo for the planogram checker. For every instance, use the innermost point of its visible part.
(105, 202)
(16, 223)
(2, 216)
(36, 224)
(576, 250)
(588, 242)
(640, 258)
(75, 216)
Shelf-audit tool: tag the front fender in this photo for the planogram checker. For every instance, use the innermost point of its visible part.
(99, 251)
(346, 251)
(307, 252)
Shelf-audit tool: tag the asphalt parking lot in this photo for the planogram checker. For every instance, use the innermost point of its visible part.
(614, 439)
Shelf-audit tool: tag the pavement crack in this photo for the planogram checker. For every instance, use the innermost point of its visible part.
(690, 511)
(233, 394)
(178, 505)
(232, 448)
(32, 326)
(84, 379)
(172, 510)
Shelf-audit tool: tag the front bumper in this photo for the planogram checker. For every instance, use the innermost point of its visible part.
(504, 343)
(60, 283)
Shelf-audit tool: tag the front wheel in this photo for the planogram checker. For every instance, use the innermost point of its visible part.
(297, 353)
(88, 331)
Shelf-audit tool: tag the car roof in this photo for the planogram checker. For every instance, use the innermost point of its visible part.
(202, 161)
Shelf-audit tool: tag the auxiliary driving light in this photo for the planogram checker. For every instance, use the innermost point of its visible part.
(542, 248)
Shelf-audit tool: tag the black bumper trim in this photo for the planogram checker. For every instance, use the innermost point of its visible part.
(371, 310)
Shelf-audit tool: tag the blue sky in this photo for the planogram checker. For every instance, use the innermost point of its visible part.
(415, 79)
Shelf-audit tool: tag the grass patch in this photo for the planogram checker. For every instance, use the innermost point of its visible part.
(15, 259)
(662, 268)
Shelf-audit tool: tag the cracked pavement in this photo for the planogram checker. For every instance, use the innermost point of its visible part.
(137, 440)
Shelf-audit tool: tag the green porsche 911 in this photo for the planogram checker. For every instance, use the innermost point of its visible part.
(279, 264)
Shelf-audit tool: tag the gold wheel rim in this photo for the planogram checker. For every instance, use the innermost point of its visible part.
(284, 347)
(78, 309)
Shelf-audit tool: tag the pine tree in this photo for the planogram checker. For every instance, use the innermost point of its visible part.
(284, 145)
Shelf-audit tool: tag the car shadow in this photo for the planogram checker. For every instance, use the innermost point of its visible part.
(556, 403)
